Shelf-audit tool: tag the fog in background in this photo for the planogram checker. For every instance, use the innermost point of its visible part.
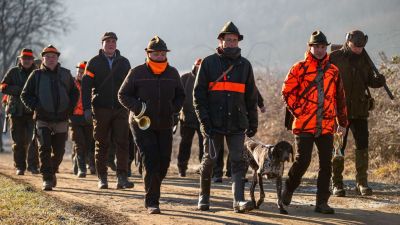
(275, 32)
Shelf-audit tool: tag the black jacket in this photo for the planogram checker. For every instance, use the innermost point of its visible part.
(188, 116)
(163, 95)
(226, 112)
(357, 74)
(12, 84)
(52, 95)
(100, 84)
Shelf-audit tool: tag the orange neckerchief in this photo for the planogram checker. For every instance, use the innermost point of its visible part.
(157, 67)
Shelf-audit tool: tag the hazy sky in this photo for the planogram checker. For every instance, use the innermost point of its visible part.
(275, 32)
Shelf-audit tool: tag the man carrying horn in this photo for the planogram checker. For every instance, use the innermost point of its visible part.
(153, 90)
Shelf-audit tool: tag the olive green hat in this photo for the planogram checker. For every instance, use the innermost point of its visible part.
(229, 28)
(156, 44)
(317, 37)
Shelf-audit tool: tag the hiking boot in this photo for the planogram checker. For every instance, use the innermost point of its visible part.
(103, 183)
(338, 191)
(153, 210)
(287, 197)
(92, 170)
(204, 203)
(182, 173)
(47, 185)
(81, 174)
(34, 170)
(123, 182)
(363, 190)
(324, 208)
(20, 172)
(243, 206)
(217, 179)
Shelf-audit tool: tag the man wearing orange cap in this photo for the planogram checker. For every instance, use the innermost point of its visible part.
(50, 92)
(22, 124)
(155, 85)
(81, 131)
(189, 124)
(103, 77)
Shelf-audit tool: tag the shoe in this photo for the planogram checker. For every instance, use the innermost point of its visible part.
(123, 182)
(324, 208)
(92, 170)
(204, 203)
(34, 171)
(182, 173)
(287, 197)
(217, 179)
(103, 183)
(81, 174)
(54, 181)
(47, 185)
(242, 206)
(20, 172)
(339, 191)
(153, 210)
(363, 190)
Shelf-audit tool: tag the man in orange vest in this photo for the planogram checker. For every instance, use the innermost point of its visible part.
(225, 100)
(313, 92)
(81, 131)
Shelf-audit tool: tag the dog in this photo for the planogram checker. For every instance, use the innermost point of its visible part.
(267, 161)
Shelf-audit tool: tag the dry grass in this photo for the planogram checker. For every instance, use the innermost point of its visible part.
(21, 204)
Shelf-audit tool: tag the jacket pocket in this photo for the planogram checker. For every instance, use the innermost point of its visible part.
(243, 121)
(216, 115)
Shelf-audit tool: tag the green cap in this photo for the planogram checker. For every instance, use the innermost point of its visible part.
(229, 28)
(317, 37)
(156, 44)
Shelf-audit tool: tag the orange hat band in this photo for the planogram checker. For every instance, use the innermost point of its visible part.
(82, 66)
(49, 50)
(30, 54)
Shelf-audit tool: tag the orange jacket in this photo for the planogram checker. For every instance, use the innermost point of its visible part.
(302, 100)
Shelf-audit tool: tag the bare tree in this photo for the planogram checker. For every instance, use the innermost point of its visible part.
(28, 24)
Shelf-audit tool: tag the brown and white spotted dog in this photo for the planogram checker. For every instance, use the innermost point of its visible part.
(267, 161)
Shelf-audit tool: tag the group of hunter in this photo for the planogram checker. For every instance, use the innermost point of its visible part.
(325, 94)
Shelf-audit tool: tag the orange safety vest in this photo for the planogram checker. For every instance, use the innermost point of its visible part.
(78, 110)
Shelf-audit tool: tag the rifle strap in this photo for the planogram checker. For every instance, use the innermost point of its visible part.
(220, 77)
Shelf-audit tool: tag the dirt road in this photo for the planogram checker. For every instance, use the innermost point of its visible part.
(179, 198)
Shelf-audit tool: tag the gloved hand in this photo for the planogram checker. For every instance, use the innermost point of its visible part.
(137, 108)
(341, 130)
(251, 132)
(263, 109)
(88, 115)
(207, 130)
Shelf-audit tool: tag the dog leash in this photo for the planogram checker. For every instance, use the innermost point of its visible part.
(211, 148)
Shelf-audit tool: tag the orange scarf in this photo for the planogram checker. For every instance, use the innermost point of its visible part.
(157, 67)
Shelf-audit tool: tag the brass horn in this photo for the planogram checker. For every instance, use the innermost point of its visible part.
(142, 121)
